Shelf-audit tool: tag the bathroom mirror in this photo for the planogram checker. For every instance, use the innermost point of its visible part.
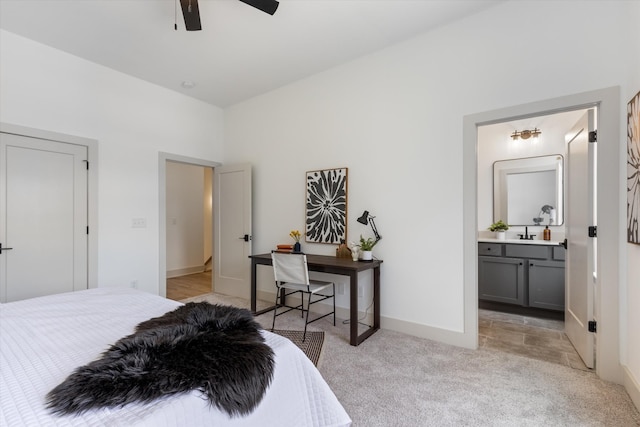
(529, 191)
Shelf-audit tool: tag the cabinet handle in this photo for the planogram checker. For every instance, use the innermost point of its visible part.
(521, 263)
(530, 265)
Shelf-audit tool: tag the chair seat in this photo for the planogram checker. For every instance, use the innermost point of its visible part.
(315, 286)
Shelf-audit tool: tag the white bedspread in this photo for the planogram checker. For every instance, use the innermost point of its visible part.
(42, 340)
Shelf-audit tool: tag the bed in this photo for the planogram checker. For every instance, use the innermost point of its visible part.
(42, 340)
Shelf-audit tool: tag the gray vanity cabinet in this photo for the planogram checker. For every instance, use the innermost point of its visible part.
(526, 275)
(546, 284)
(501, 279)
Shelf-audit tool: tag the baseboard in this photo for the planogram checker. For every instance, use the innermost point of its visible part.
(632, 386)
(184, 271)
(458, 339)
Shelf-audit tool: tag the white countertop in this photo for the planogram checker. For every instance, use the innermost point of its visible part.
(521, 242)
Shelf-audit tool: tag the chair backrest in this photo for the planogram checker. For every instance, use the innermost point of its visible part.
(291, 268)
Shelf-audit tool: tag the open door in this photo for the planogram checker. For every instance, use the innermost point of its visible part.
(580, 271)
(232, 230)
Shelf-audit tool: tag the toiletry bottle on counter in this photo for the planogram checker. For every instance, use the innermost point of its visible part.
(546, 233)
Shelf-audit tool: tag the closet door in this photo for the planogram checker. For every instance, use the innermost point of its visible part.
(43, 211)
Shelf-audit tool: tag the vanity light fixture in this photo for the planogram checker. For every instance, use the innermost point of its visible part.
(367, 218)
(526, 134)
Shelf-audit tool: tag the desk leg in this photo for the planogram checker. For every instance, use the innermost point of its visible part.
(254, 291)
(356, 338)
(353, 311)
(376, 298)
(253, 285)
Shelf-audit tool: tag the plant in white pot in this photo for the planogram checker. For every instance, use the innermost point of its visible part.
(366, 248)
(500, 228)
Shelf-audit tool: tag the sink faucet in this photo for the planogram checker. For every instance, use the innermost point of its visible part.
(526, 235)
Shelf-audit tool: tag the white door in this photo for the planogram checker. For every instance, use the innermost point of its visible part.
(43, 211)
(232, 230)
(580, 257)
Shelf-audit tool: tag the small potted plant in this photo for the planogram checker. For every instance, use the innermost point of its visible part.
(366, 248)
(499, 227)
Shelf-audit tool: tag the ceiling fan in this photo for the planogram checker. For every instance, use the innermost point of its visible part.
(192, 13)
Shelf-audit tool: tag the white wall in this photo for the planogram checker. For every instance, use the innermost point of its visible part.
(132, 120)
(395, 119)
(630, 291)
(185, 219)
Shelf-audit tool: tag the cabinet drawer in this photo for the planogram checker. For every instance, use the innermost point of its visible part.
(491, 249)
(527, 251)
(558, 253)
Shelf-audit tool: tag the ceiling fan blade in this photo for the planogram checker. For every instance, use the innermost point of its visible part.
(267, 6)
(191, 15)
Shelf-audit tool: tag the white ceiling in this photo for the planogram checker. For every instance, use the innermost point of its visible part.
(241, 52)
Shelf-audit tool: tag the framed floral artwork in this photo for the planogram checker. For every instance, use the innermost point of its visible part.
(326, 206)
(633, 170)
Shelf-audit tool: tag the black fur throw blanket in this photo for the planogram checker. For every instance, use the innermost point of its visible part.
(212, 348)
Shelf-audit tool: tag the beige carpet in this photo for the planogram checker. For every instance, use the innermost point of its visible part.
(393, 379)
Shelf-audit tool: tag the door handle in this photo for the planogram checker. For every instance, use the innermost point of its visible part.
(6, 249)
(564, 243)
(246, 238)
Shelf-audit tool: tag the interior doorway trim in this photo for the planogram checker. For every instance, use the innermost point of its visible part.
(163, 158)
(609, 215)
(92, 186)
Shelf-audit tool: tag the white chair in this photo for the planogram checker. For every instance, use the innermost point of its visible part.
(292, 276)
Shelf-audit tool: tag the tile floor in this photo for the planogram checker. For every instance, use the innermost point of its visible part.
(542, 339)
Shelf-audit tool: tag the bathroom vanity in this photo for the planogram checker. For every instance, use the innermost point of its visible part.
(527, 273)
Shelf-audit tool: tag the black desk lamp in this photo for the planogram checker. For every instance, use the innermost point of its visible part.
(367, 218)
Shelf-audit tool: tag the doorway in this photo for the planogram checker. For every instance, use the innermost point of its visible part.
(231, 236)
(608, 212)
(189, 209)
(163, 160)
(523, 327)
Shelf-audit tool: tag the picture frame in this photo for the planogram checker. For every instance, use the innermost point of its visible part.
(633, 170)
(326, 206)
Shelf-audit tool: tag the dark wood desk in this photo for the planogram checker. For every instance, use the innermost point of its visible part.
(334, 265)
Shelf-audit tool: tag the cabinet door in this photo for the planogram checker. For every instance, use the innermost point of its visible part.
(501, 279)
(546, 284)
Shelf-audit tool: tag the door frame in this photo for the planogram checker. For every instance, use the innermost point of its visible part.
(92, 186)
(163, 158)
(609, 213)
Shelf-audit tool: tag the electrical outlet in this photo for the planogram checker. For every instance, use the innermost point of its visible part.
(340, 288)
(360, 291)
(139, 223)
(134, 283)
